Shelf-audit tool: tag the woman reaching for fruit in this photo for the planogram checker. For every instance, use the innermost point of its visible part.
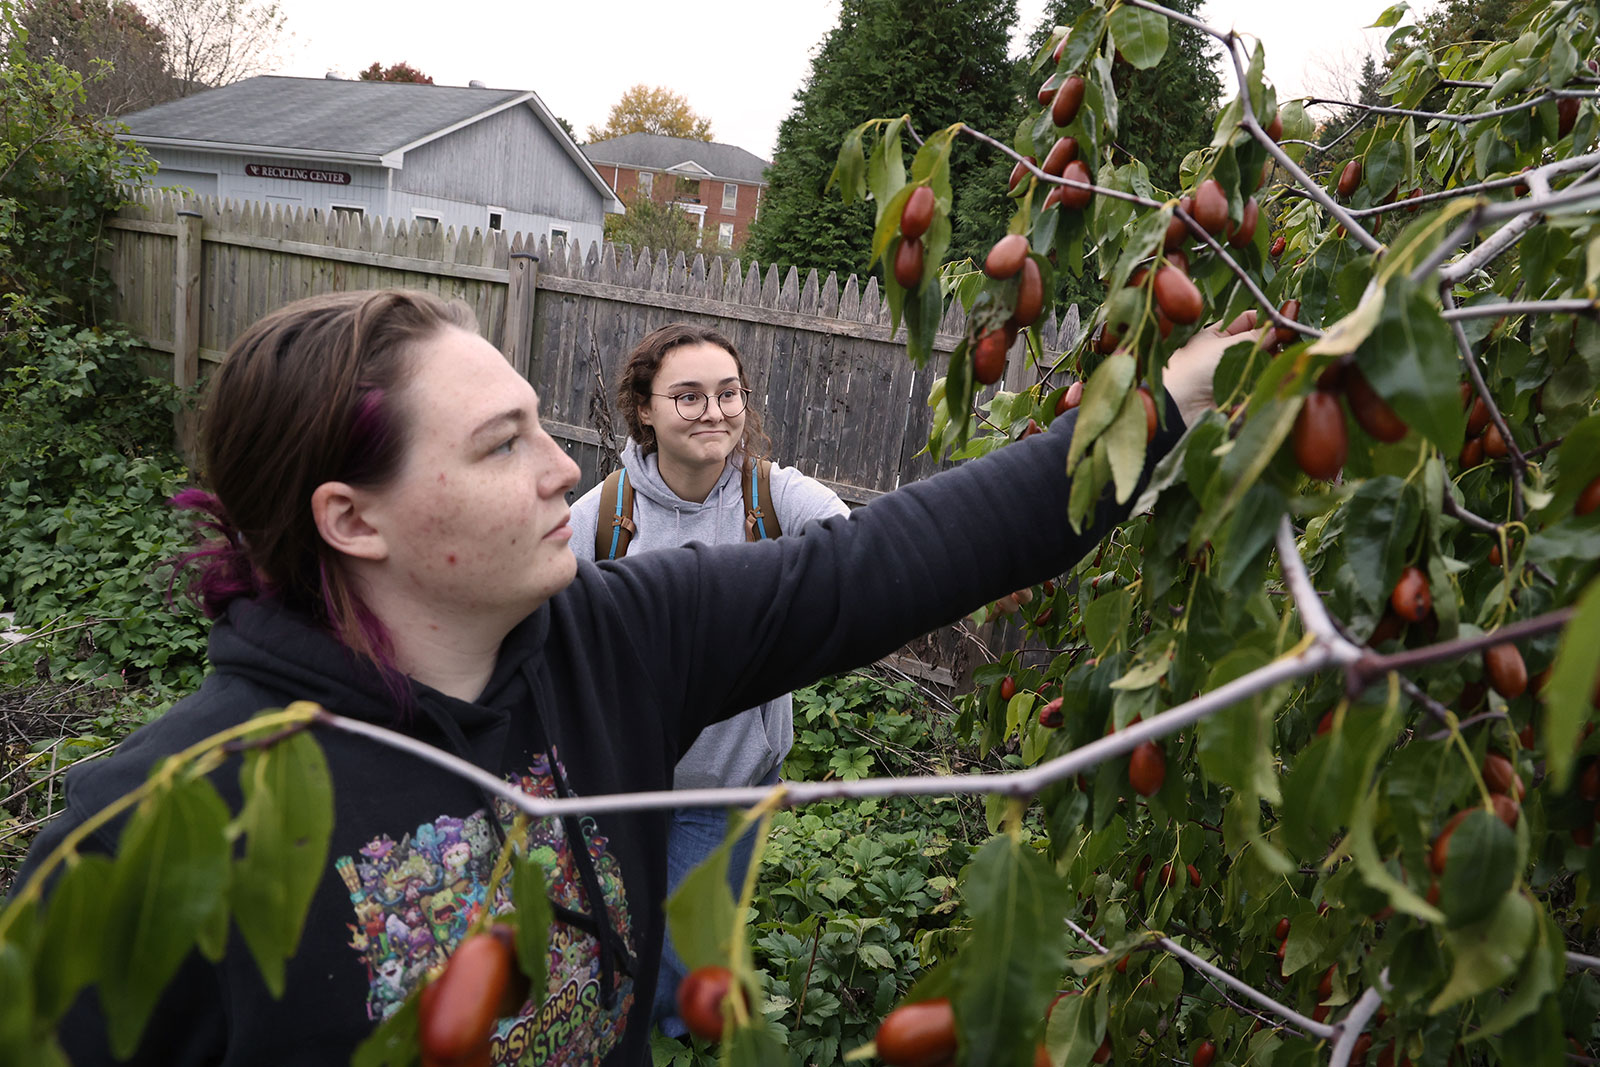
(393, 542)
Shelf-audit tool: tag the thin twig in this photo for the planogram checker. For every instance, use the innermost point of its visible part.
(1304, 1022)
(1033, 168)
(1132, 198)
(1486, 716)
(1023, 783)
(1519, 463)
(1444, 116)
(1572, 196)
(1312, 613)
(1523, 307)
(1372, 665)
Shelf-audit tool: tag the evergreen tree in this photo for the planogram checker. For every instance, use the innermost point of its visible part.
(938, 61)
(1164, 112)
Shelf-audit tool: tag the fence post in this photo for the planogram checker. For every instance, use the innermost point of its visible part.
(186, 325)
(519, 311)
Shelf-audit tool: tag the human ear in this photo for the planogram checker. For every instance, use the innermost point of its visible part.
(338, 510)
(643, 410)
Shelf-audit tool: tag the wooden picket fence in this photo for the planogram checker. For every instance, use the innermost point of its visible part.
(838, 397)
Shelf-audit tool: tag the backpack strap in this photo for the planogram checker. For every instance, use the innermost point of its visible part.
(611, 538)
(760, 517)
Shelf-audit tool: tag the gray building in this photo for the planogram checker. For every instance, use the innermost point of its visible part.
(467, 157)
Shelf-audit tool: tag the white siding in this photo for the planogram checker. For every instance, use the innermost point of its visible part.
(508, 159)
(368, 188)
(469, 216)
(437, 182)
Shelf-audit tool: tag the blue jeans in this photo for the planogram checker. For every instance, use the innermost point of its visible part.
(695, 834)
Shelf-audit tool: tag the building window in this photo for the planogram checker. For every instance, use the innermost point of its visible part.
(558, 237)
(497, 218)
(344, 213)
(647, 183)
(725, 234)
(730, 197)
(425, 222)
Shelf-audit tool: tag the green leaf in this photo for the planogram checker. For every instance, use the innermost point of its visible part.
(886, 168)
(700, 915)
(755, 1046)
(1083, 40)
(1381, 522)
(851, 169)
(1391, 16)
(170, 877)
(1006, 978)
(1412, 362)
(287, 820)
(1364, 850)
(1540, 974)
(1264, 432)
(395, 1041)
(528, 896)
(1105, 618)
(1071, 1035)
(1126, 441)
(1249, 534)
(1103, 398)
(1571, 687)
(68, 954)
(16, 1007)
(1350, 332)
(1140, 35)
(1235, 744)
(1482, 868)
(1488, 952)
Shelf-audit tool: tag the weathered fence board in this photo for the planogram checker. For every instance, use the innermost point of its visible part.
(838, 398)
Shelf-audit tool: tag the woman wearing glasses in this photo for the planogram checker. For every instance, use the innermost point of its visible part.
(694, 445)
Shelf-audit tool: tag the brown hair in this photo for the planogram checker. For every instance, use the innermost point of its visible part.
(644, 363)
(310, 394)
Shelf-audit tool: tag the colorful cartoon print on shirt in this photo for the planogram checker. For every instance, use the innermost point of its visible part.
(415, 898)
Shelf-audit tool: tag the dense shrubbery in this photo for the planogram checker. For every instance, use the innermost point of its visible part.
(855, 898)
(86, 454)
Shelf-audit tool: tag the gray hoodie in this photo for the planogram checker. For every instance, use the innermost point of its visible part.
(746, 748)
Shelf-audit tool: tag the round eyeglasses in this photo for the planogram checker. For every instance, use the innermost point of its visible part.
(693, 405)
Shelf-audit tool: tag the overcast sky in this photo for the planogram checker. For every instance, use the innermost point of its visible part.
(740, 68)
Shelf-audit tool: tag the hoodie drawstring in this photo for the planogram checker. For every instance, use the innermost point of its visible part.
(611, 943)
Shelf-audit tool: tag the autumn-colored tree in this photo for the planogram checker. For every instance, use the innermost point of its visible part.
(398, 72)
(652, 109)
(110, 44)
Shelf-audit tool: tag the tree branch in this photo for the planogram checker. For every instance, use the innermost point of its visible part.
(1351, 1026)
(1446, 116)
(1024, 783)
(1524, 307)
(1372, 665)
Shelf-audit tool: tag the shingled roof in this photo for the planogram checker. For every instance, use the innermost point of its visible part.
(351, 118)
(337, 119)
(651, 151)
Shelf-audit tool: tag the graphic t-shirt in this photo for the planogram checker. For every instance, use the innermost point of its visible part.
(415, 898)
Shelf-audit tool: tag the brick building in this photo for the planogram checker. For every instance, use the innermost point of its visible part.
(719, 184)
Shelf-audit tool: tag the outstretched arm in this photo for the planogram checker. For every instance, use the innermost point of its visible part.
(734, 625)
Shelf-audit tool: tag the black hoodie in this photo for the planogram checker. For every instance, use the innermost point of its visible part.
(599, 691)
